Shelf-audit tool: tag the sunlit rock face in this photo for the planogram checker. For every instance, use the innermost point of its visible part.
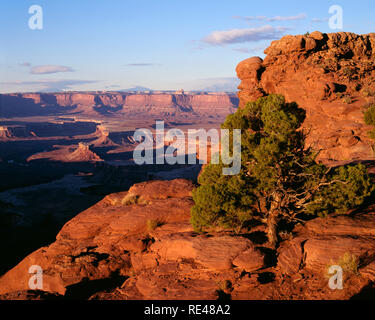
(126, 104)
(331, 76)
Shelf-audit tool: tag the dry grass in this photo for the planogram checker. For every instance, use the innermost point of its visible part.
(152, 224)
(130, 199)
(368, 105)
(349, 264)
(347, 100)
(284, 235)
(224, 285)
(366, 92)
(349, 72)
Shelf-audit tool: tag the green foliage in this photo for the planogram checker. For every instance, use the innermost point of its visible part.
(279, 177)
(221, 201)
(351, 187)
(370, 119)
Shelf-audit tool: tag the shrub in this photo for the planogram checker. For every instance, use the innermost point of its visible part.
(349, 72)
(340, 95)
(223, 291)
(153, 224)
(279, 177)
(349, 263)
(369, 116)
(347, 100)
(224, 285)
(285, 235)
(130, 199)
(367, 92)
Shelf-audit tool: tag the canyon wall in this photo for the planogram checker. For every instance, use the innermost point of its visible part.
(331, 76)
(156, 104)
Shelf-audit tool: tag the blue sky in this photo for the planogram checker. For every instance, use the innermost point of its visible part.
(159, 44)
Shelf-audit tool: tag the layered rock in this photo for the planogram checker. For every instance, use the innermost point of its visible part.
(6, 133)
(13, 132)
(331, 76)
(102, 139)
(141, 245)
(71, 153)
(143, 235)
(129, 104)
(326, 241)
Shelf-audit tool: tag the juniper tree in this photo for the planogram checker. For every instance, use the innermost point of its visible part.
(279, 178)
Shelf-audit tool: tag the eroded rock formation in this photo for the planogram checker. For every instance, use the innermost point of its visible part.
(70, 153)
(141, 241)
(141, 244)
(128, 104)
(331, 76)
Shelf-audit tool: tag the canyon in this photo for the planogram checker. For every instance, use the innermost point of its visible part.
(117, 103)
(137, 242)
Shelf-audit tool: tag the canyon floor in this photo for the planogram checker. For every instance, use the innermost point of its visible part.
(108, 229)
(54, 167)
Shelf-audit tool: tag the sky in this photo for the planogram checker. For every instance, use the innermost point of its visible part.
(158, 44)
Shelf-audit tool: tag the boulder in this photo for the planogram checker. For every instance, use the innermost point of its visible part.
(104, 240)
(213, 253)
(324, 242)
(250, 260)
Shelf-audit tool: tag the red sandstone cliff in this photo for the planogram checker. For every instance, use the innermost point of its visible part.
(142, 241)
(329, 75)
(70, 153)
(155, 104)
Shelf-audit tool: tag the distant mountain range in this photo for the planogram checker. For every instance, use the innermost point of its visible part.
(136, 88)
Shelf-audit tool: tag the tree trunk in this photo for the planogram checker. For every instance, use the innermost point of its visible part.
(272, 220)
(272, 228)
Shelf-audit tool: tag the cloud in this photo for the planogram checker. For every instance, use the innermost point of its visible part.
(249, 50)
(137, 88)
(25, 64)
(300, 16)
(112, 86)
(225, 84)
(142, 64)
(244, 35)
(47, 69)
(49, 85)
(319, 20)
